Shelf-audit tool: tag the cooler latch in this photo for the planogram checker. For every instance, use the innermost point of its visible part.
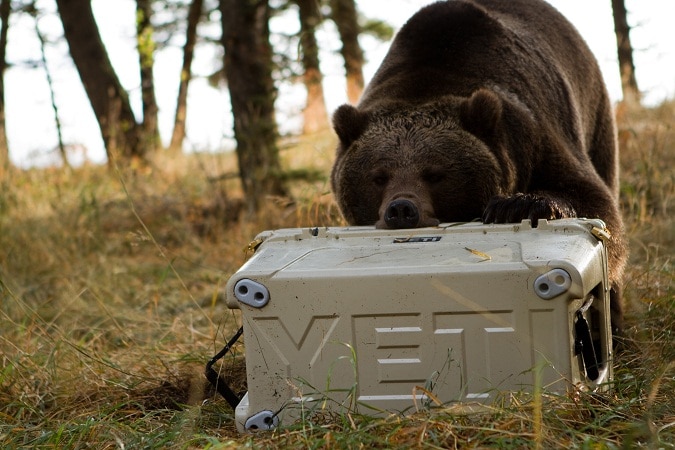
(583, 344)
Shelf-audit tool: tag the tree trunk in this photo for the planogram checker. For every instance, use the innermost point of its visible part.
(178, 134)
(248, 68)
(629, 86)
(120, 132)
(346, 19)
(5, 10)
(146, 58)
(315, 115)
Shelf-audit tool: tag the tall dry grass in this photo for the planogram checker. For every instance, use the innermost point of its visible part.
(111, 303)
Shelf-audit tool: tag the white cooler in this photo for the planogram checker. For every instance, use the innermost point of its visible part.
(389, 321)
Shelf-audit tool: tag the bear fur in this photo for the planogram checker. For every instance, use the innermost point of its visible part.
(485, 109)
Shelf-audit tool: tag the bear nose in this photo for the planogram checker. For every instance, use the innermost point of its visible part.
(401, 213)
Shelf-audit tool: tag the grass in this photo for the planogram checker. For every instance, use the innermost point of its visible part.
(111, 303)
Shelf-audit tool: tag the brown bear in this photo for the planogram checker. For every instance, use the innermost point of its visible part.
(485, 109)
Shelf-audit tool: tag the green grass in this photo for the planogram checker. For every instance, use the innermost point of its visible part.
(111, 303)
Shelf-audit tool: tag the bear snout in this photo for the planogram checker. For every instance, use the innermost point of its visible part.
(401, 213)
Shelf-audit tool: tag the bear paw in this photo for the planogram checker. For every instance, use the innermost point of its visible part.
(526, 206)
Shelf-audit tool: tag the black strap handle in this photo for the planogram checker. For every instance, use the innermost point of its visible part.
(216, 380)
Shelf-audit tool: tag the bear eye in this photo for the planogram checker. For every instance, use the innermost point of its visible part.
(433, 177)
(380, 179)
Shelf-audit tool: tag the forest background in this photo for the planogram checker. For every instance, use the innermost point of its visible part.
(30, 119)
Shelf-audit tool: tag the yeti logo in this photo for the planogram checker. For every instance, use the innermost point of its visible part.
(406, 239)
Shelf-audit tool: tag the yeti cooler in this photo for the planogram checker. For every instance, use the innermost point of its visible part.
(378, 321)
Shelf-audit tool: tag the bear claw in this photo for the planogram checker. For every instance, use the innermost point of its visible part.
(526, 206)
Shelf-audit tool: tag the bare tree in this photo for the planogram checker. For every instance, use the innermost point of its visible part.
(345, 16)
(50, 83)
(629, 86)
(110, 102)
(178, 134)
(5, 9)
(315, 115)
(248, 69)
(146, 57)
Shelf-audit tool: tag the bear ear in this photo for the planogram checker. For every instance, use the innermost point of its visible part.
(349, 124)
(481, 113)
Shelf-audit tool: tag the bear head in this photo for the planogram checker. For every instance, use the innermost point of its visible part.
(407, 166)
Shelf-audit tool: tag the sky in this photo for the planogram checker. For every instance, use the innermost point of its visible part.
(30, 118)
